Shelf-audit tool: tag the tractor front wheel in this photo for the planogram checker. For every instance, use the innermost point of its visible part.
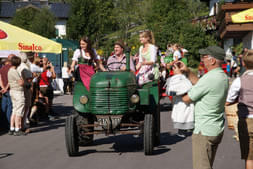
(81, 121)
(148, 134)
(71, 136)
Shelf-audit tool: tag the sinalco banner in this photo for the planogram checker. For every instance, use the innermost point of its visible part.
(243, 17)
(15, 38)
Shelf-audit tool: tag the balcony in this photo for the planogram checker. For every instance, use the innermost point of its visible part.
(228, 29)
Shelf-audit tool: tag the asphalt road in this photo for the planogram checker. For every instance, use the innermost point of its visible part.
(44, 148)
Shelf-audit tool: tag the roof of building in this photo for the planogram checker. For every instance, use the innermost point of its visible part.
(8, 9)
(60, 10)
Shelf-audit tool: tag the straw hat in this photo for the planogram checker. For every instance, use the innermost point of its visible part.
(120, 43)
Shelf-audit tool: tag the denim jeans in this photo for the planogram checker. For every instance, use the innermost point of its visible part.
(7, 105)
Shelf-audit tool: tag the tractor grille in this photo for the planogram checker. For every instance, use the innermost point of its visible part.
(109, 101)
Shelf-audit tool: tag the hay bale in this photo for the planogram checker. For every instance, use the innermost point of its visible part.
(232, 117)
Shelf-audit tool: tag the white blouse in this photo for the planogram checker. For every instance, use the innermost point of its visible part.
(152, 52)
(77, 54)
(178, 54)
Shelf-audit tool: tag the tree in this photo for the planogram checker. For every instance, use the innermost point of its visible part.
(24, 17)
(40, 21)
(170, 21)
(126, 15)
(81, 21)
(105, 22)
(44, 24)
(192, 37)
(91, 18)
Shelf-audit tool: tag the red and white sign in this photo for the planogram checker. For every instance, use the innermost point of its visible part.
(3, 35)
(31, 47)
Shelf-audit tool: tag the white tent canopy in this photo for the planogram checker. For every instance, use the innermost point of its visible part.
(5, 53)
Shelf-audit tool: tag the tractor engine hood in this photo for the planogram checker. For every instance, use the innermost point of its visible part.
(112, 79)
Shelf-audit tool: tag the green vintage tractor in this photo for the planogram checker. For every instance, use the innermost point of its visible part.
(115, 104)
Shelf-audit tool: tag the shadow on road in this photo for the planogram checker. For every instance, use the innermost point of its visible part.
(57, 120)
(129, 143)
(4, 155)
(48, 125)
(3, 131)
(61, 111)
(170, 139)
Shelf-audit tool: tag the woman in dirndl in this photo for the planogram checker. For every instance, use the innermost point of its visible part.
(88, 61)
(147, 68)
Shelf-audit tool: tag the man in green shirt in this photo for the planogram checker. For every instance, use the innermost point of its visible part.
(209, 95)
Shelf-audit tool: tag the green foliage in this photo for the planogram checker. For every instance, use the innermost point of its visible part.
(104, 21)
(238, 48)
(197, 8)
(40, 21)
(44, 23)
(170, 20)
(24, 17)
(81, 22)
(125, 14)
(90, 18)
(193, 38)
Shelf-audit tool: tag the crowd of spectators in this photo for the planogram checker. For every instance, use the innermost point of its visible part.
(26, 90)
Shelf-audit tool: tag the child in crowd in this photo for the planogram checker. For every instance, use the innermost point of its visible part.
(228, 68)
(182, 113)
(39, 109)
(17, 97)
(241, 91)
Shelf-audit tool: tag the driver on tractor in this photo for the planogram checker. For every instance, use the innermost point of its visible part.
(117, 62)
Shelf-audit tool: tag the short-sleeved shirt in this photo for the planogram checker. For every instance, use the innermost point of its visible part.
(45, 78)
(178, 54)
(234, 62)
(36, 69)
(24, 71)
(65, 74)
(115, 65)
(13, 78)
(209, 95)
(77, 54)
(4, 74)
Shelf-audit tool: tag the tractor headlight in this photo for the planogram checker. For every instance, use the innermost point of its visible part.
(135, 98)
(83, 99)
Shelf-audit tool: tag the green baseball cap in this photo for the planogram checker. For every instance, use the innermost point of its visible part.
(214, 51)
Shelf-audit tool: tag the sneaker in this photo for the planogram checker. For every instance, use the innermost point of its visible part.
(181, 133)
(11, 132)
(26, 130)
(50, 117)
(27, 121)
(19, 133)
